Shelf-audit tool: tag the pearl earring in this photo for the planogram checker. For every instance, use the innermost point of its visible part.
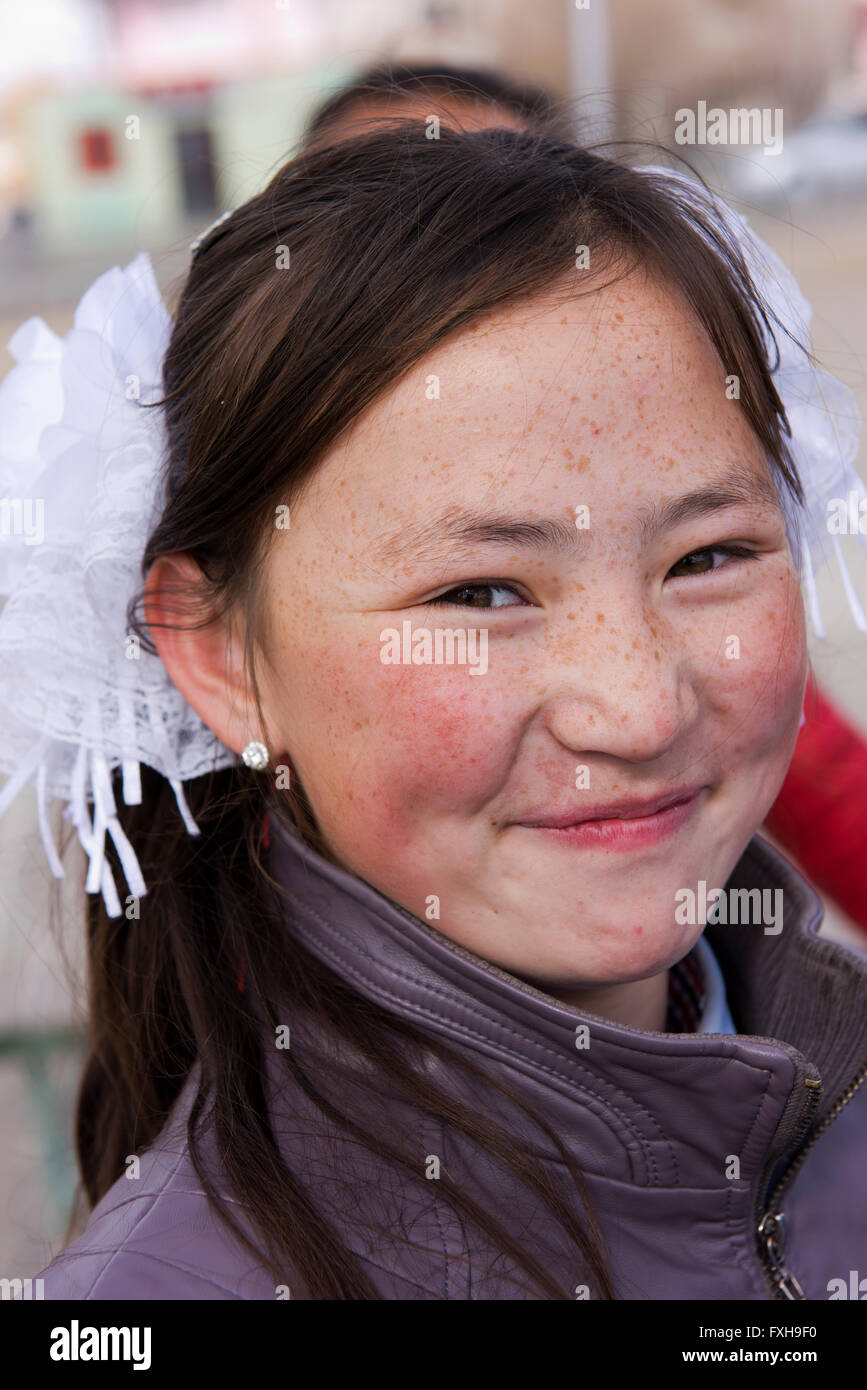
(255, 755)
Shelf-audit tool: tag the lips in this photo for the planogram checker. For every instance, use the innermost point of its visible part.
(628, 809)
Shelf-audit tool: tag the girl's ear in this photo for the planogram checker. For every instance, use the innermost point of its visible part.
(205, 663)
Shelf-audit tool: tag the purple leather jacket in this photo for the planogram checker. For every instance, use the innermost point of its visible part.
(653, 1119)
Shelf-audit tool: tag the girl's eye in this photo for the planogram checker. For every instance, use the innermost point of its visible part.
(700, 562)
(473, 596)
(697, 562)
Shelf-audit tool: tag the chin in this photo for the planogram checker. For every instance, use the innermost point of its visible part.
(607, 958)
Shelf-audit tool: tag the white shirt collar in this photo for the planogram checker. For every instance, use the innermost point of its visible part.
(716, 1017)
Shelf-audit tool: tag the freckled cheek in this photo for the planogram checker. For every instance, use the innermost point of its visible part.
(435, 732)
(760, 667)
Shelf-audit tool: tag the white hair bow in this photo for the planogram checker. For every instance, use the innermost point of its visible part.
(80, 489)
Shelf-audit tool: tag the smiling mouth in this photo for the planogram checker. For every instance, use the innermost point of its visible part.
(627, 825)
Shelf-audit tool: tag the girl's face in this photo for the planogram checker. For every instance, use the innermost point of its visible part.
(565, 480)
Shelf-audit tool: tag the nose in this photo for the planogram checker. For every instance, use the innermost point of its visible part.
(621, 685)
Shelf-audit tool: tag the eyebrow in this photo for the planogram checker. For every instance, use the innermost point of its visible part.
(461, 526)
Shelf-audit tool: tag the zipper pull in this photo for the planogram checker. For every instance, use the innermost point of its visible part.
(772, 1233)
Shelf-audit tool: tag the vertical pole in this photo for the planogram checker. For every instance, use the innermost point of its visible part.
(591, 69)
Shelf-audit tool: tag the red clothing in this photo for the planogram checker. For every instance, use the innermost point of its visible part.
(820, 815)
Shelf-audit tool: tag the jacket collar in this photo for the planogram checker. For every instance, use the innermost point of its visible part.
(797, 998)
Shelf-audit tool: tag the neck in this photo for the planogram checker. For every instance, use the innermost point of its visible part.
(637, 1003)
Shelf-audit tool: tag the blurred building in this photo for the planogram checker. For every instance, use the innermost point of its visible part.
(169, 111)
(110, 164)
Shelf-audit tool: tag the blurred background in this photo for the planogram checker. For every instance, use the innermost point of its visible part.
(129, 125)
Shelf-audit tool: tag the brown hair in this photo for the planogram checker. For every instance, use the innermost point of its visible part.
(396, 241)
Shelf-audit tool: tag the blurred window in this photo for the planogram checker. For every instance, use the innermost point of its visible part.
(97, 150)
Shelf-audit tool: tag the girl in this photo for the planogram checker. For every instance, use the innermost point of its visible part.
(474, 533)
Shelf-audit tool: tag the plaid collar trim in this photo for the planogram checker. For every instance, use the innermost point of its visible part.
(687, 995)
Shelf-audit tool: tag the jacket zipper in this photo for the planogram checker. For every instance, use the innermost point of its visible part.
(771, 1226)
